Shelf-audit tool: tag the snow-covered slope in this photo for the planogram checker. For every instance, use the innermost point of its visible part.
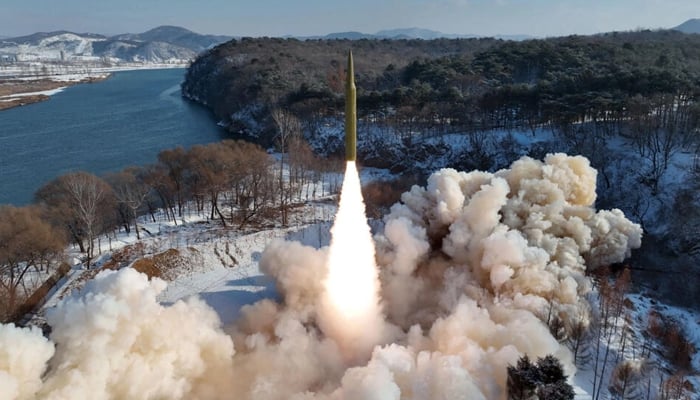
(59, 46)
(157, 45)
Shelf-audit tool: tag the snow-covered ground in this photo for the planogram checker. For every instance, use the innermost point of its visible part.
(77, 72)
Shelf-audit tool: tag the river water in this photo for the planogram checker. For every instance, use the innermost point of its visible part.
(100, 127)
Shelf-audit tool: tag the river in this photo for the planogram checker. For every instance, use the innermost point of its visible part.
(99, 127)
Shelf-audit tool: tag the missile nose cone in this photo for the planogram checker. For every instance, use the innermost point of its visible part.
(350, 76)
(350, 112)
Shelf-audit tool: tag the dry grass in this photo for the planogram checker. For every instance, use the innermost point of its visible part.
(160, 265)
(11, 87)
(22, 101)
(125, 256)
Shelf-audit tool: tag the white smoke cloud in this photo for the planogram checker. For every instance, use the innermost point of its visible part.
(23, 357)
(116, 341)
(468, 268)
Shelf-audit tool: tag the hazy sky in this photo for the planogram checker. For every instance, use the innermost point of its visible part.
(317, 17)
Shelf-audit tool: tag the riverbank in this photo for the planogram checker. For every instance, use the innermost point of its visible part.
(20, 92)
(19, 87)
(122, 121)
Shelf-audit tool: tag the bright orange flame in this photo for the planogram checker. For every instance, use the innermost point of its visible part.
(350, 312)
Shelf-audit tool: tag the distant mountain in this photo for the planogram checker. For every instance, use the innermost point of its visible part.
(689, 26)
(409, 33)
(349, 35)
(427, 34)
(418, 33)
(162, 44)
(36, 39)
(177, 36)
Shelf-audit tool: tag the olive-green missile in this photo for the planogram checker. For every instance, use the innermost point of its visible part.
(350, 112)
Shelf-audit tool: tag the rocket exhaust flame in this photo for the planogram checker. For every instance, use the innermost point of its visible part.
(350, 312)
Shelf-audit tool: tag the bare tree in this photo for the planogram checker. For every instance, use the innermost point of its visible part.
(626, 380)
(83, 202)
(302, 162)
(157, 177)
(251, 180)
(661, 127)
(26, 242)
(176, 162)
(676, 387)
(130, 192)
(89, 195)
(579, 340)
(211, 166)
(288, 127)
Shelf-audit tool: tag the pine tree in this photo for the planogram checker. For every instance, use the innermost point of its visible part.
(522, 380)
(544, 380)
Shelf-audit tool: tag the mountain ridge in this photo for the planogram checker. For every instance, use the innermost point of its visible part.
(161, 44)
(690, 26)
(407, 33)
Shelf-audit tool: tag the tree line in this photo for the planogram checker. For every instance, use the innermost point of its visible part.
(235, 183)
(642, 84)
(465, 83)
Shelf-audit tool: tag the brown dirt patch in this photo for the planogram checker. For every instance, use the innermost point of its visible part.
(160, 265)
(16, 86)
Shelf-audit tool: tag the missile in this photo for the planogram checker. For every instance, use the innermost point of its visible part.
(350, 112)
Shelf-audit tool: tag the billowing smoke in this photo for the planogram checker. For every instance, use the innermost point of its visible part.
(23, 357)
(115, 341)
(468, 268)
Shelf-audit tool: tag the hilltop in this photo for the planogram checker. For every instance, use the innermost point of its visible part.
(689, 26)
(408, 34)
(161, 44)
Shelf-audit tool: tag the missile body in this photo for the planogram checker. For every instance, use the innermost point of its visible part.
(350, 112)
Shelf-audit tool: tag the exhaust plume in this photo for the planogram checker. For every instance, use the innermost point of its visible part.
(349, 309)
(467, 269)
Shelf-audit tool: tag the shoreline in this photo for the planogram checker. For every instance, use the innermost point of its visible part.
(18, 91)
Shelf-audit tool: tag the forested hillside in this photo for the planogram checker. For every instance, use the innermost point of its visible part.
(626, 100)
(245, 79)
(466, 84)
